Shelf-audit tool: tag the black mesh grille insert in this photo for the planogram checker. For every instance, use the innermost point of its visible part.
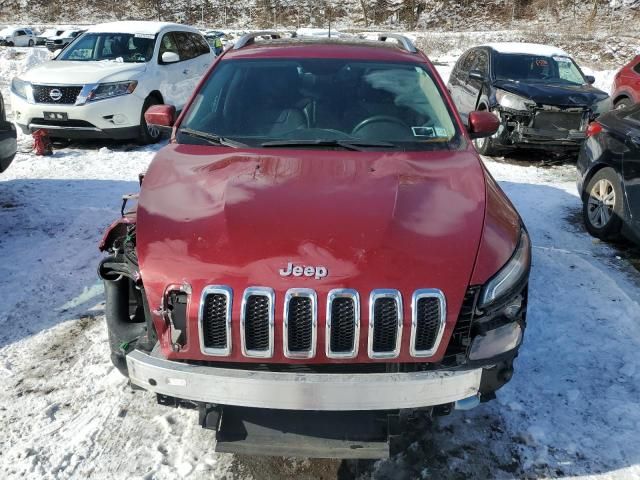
(558, 120)
(214, 321)
(460, 338)
(343, 316)
(428, 322)
(256, 323)
(61, 96)
(300, 323)
(385, 331)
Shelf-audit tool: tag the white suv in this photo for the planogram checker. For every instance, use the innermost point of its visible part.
(17, 37)
(103, 82)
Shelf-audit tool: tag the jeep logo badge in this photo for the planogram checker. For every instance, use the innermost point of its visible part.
(318, 272)
(55, 94)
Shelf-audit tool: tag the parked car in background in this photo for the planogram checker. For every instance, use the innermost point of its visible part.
(17, 37)
(101, 85)
(609, 175)
(41, 38)
(8, 144)
(250, 281)
(65, 38)
(539, 93)
(626, 85)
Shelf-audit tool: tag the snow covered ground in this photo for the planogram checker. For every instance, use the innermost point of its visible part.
(571, 410)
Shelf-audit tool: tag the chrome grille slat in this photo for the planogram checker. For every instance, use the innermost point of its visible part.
(385, 323)
(257, 322)
(428, 318)
(300, 323)
(342, 324)
(214, 322)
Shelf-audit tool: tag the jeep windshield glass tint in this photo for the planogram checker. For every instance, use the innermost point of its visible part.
(322, 104)
(536, 68)
(120, 47)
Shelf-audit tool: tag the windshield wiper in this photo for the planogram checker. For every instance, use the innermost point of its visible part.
(212, 138)
(357, 145)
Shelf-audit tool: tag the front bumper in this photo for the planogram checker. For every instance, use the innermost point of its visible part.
(117, 118)
(301, 391)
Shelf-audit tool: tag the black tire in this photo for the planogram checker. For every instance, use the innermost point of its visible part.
(146, 136)
(606, 222)
(485, 146)
(31, 43)
(623, 103)
(9, 44)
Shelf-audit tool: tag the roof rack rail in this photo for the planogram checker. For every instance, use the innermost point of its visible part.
(250, 38)
(403, 41)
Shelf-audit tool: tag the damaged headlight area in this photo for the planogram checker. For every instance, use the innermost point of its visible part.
(499, 317)
(512, 101)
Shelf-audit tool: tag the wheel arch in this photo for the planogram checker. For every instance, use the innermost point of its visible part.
(157, 95)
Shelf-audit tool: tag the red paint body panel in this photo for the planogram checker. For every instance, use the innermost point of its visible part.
(627, 82)
(500, 235)
(211, 215)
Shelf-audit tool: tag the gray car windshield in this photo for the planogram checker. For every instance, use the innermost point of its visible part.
(321, 103)
(122, 47)
(537, 68)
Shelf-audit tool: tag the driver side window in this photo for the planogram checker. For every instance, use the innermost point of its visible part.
(167, 44)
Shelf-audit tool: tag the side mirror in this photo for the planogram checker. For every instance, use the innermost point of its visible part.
(476, 75)
(590, 79)
(170, 57)
(161, 116)
(482, 124)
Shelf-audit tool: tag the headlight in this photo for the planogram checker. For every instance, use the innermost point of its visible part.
(603, 106)
(21, 88)
(511, 275)
(113, 89)
(513, 101)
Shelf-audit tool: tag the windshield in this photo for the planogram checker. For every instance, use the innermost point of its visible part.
(536, 68)
(122, 47)
(321, 103)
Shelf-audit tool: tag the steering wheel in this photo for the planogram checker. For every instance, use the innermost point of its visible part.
(378, 119)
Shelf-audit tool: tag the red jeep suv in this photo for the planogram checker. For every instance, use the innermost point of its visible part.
(318, 250)
(626, 85)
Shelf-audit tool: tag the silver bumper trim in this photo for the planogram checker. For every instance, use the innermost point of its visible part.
(59, 127)
(300, 391)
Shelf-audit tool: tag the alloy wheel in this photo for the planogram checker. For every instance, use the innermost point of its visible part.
(601, 203)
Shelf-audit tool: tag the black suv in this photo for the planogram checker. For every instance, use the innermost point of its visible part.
(539, 93)
(7, 139)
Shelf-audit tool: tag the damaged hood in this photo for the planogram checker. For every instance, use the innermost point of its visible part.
(556, 94)
(218, 216)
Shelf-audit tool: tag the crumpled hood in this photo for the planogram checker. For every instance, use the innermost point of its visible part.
(217, 216)
(79, 73)
(557, 94)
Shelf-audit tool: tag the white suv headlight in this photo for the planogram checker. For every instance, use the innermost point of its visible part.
(510, 275)
(513, 101)
(21, 88)
(112, 89)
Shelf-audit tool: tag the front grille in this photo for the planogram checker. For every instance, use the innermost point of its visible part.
(257, 322)
(427, 326)
(342, 325)
(215, 320)
(385, 323)
(558, 120)
(300, 323)
(68, 95)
